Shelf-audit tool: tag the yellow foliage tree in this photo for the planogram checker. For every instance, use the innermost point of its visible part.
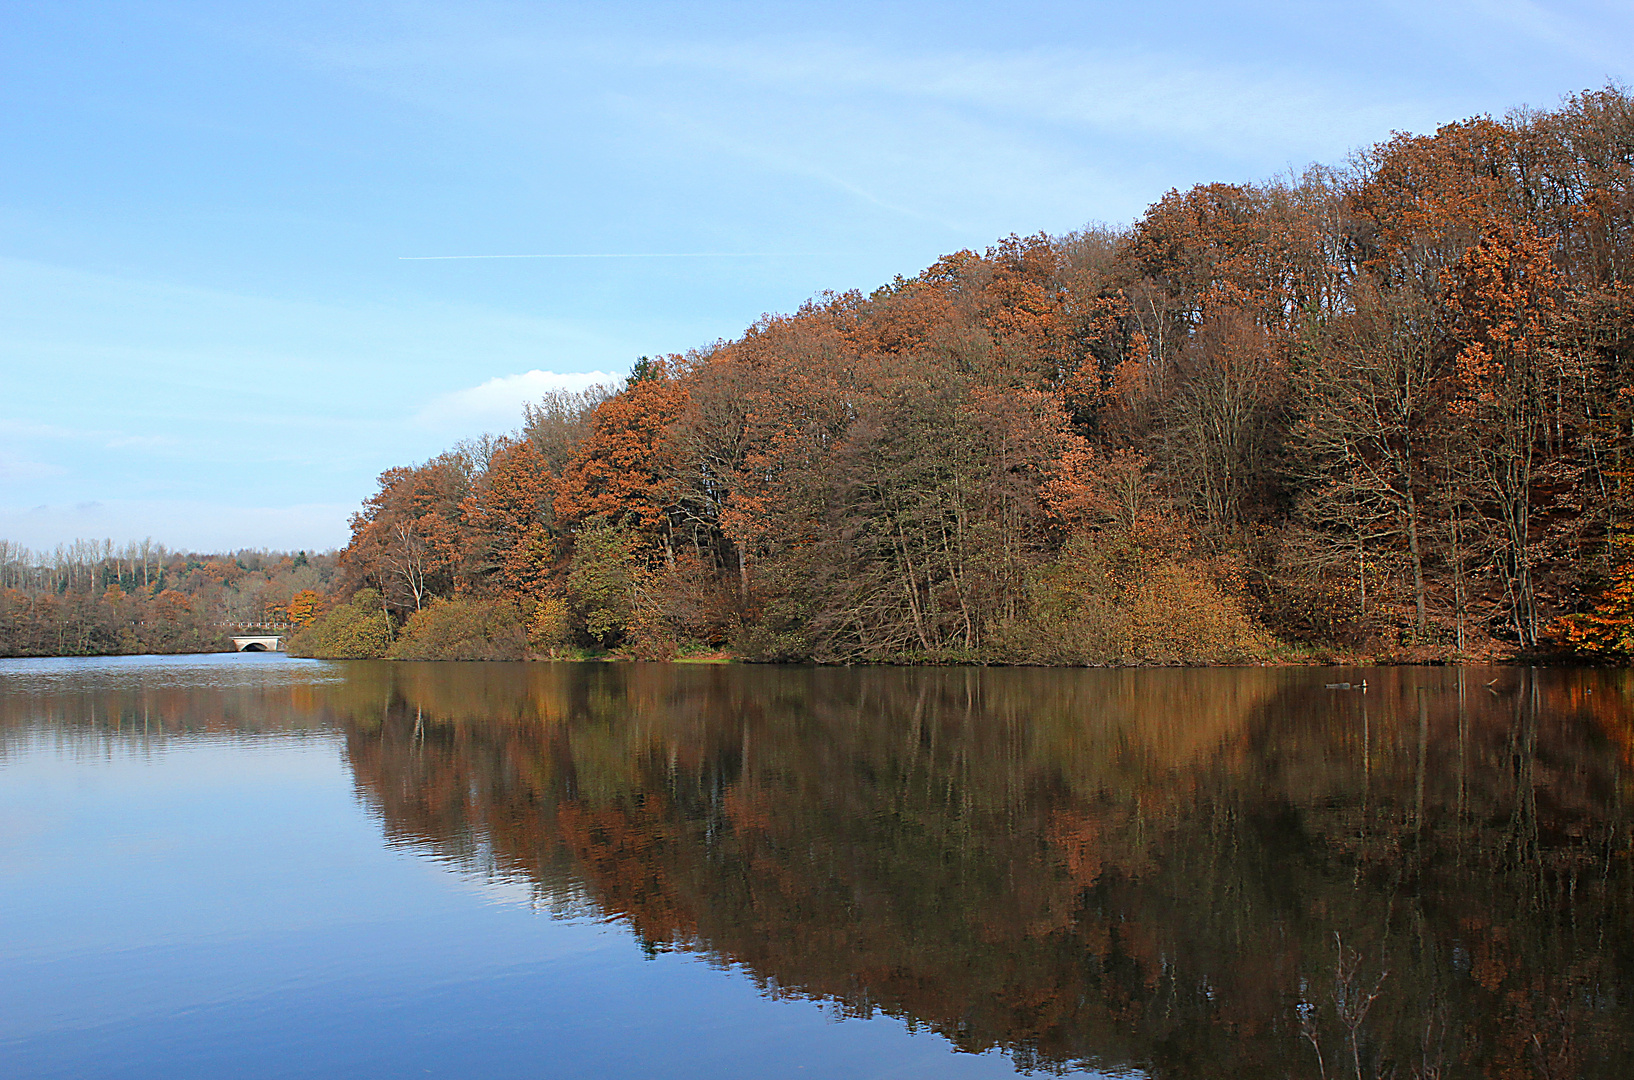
(303, 607)
(1608, 630)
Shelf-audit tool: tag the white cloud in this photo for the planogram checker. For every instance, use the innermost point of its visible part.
(496, 405)
(32, 430)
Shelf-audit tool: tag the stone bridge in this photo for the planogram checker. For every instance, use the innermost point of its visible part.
(259, 643)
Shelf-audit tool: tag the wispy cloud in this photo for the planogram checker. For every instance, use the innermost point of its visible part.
(1128, 90)
(604, 255)
(30, 429)
(142, 442)
(1587, 30)
(974, 142)
(1130, 93)
(20, 468)
(25, 432)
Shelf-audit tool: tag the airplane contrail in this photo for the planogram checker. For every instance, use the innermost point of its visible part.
(610, 255)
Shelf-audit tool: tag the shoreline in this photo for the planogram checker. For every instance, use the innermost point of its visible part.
(723, 659)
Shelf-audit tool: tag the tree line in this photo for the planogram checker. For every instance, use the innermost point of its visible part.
(91, 598)
(1383, 410)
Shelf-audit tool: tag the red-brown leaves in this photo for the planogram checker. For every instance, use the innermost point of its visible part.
(506, 516)
(1426, 197)
(625, 471)
(1504, 301)
(408, 540)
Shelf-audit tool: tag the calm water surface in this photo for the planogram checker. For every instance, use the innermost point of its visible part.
(255, 866)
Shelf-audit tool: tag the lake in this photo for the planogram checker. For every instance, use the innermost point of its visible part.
(254, 866)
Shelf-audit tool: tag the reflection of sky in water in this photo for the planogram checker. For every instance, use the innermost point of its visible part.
(218, 670)
(227, 907)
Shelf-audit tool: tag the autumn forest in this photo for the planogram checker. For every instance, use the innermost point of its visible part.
(97, 599)
(1382, 410)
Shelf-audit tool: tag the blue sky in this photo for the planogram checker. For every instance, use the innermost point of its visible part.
(209, 331)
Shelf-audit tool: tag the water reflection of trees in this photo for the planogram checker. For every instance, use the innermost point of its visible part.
(92, 708)
(1156, 869)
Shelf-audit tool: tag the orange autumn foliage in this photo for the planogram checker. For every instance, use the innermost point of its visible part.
(624, 470)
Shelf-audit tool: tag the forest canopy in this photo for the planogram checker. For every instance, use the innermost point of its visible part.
(1380, 410)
